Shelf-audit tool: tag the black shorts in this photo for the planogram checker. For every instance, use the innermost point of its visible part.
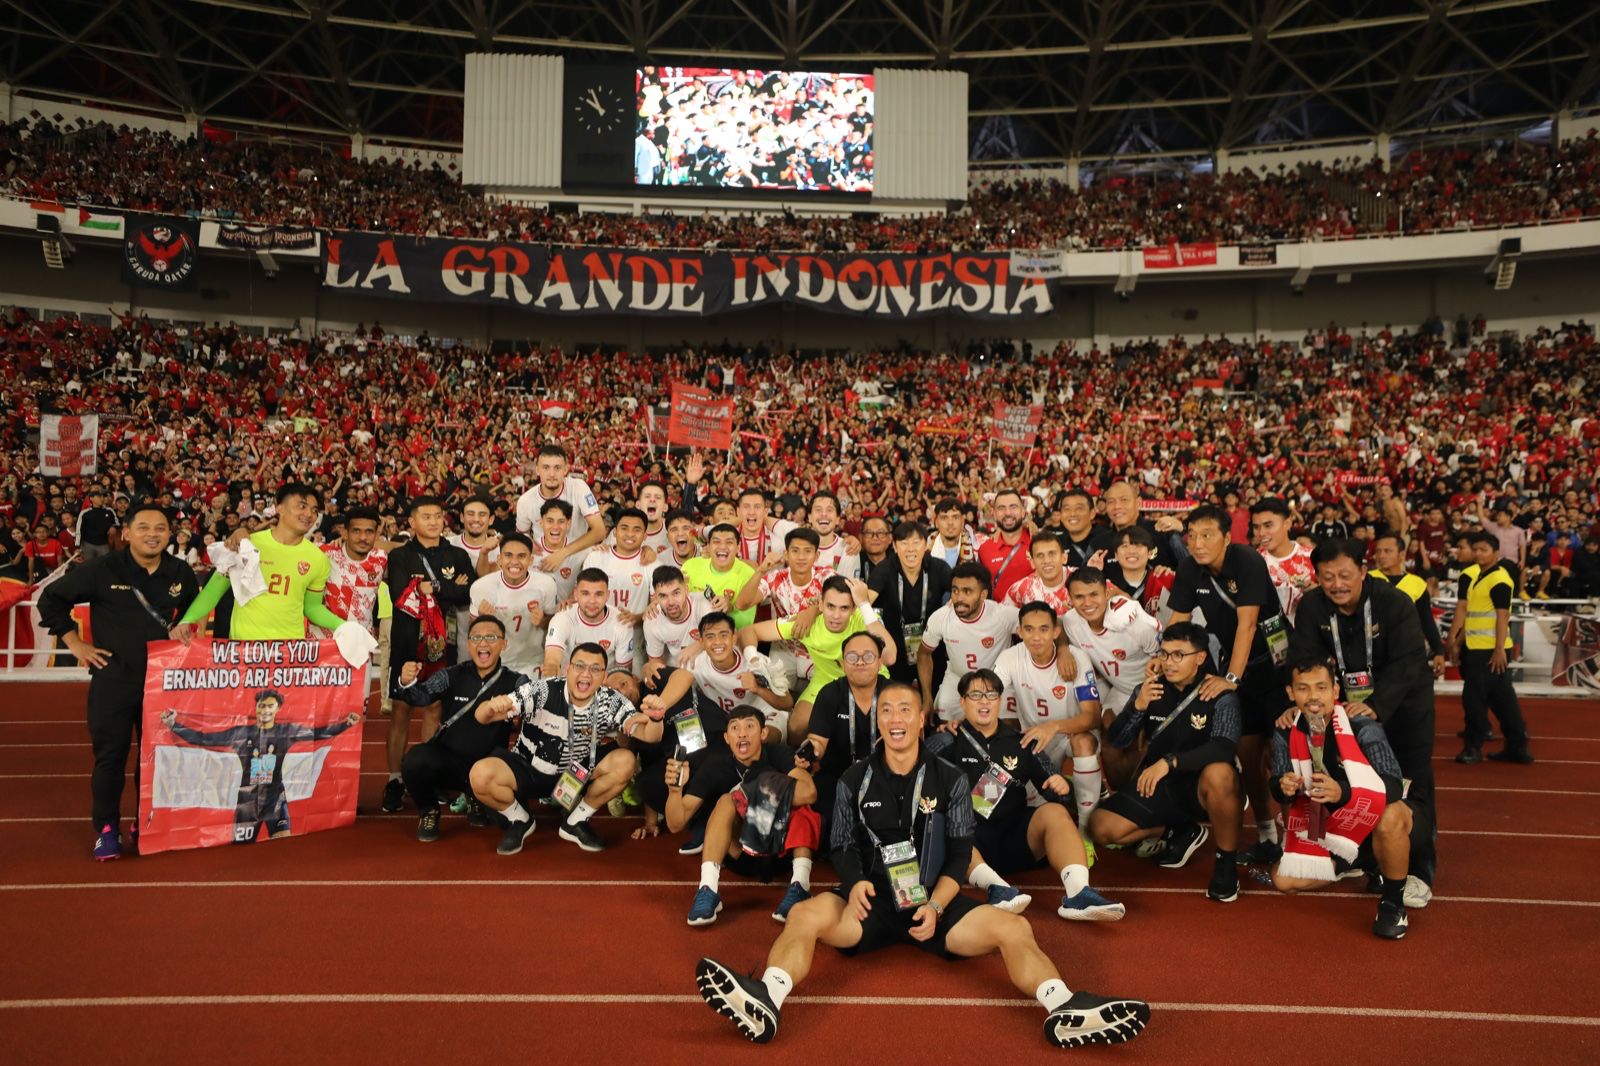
(1262, 697)
(886, 926)
(531, 784)
(1004, 846)
(1176, 801)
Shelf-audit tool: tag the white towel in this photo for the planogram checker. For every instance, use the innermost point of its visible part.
(243, 568)
(355, 643)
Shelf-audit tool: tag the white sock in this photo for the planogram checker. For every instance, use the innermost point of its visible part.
(394, 776)
(1074, 879)
(581, 813)
(1267, 831)
(779, 984)
(1053, 993)
(984, 877)
(710, 875)
(802, 874)
(516, 812)
(1086, 779)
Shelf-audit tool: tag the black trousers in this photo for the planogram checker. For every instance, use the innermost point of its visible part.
(116, 719)
(429, 767)
(1482, 691)
(1410, 732)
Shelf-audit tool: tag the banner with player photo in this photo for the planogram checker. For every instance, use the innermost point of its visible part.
(161, 252)
(68, 445)
(700, 419)
(1016, 425)
(593, 281)
(248, 739)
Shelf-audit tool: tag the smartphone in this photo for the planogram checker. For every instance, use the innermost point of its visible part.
(808, 753)
(681, 756)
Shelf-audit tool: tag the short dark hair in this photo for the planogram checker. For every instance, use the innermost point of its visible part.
(1190, 633)
(907, 530)
(1483, 536)
(588, 647)
(1044, 536)
(717, 618)
(592, 573)
(270, 694)
(652, 483)
(722, 527)
(675, 514)
(1271, 505)
(825, 496)
(356, 514)
(877, 641)
(555, 451)
(144, 505)
(1389, 535)
(1087, 575)
(556, 505)
(632, 512)
(492, 620)
(517, 538)
(972, 677)
(665, 575)
(1136, 535)
(1035, 607)
(1309, 661)
(1209, 512)
(946, 505)
(910, 686)
(804, 536)
(975, 570)
(1339, 548)
(744, 710)
(420, 502)
(838, 583)
(1066, 494)
(753, 491)
(297, 488)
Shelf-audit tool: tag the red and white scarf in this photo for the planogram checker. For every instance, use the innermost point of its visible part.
(1342, 830)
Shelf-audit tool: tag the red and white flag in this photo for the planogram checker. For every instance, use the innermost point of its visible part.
(68, 445)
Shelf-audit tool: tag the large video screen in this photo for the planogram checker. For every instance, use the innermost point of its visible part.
(712, 127)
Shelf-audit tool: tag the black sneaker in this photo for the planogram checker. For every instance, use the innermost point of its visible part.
(1089, 1019)
(477, 817)
(1469, 755)
(511, 840)
(1182, 842)
(742, 1000)
(428, 826)
(581, 834)
(394, 795)
(1391, 921)
(1521, 757)
(1224, 887)
(1261, 853)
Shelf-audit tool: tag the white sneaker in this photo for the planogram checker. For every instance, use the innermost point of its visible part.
(1417, 893)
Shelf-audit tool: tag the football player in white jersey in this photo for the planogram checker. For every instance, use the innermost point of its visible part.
(652, 501)
(1048, 582)
(789, 581)
(522, 599)
(671, 624)
(1118, 634)
(591, 619)
(554, 519)
(729, 675)
(482, 546)
(683, 542)
(550, 467)
(759, 535)
(627, 565)
(837, 552)
(973, 630)
(1288, 561)
(1050, 688)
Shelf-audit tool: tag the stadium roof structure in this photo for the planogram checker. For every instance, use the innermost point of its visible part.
(1050, 79)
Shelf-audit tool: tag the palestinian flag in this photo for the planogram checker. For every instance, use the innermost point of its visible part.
(103, 223)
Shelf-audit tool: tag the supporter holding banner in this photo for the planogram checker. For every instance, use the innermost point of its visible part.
(161, 252)
(1169, 256)
(247, 739)
(68, 445)
(1016, 425)
(700, 419)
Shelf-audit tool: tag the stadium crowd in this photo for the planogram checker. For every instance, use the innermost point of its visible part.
(227, 178)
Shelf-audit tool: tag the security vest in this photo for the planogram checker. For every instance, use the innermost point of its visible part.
(1410, 584)
(1480, 607)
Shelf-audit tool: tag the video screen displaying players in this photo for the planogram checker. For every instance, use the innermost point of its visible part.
(718, 128)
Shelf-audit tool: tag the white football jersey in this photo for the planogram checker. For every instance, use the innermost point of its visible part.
(665, 639)
(754, 549)
(464, 617)
(579, 497)
(1032, 588)
(970, 645)
(566, 578)
(1284, 573)
(568, 629)
(838, 557)
(628, 577)
(656, 542)
(1037, 695)
(1120, 651)
(724, 688)
(524, 640)
(473, 553)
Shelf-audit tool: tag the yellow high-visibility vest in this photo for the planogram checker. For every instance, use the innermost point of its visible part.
(1410, 584)
(1480, 606)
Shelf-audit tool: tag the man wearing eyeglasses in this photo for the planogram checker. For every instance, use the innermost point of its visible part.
(844, 720)
(1185, 775)
(875, 546)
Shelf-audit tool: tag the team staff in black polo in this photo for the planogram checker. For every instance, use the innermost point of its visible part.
(1229, 583)
(844, 721)
(1370, 629)
(135, 596)
(906, 590)
(902, 837)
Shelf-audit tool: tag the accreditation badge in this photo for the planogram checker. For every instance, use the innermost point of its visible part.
(1358, 686)
(913, 635)
(989, 790)
(691, 733)
(905, 875)
(569, 786)
(1276, 630)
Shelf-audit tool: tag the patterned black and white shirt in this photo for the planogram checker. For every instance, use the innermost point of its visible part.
(555, 736)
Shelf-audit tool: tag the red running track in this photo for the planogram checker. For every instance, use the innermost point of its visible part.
(362, 945)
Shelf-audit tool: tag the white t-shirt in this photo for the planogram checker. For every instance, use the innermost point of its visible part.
(665, 639)
(724, 688)
(568, 629)
(524, 640)
(972, 645)
(578, 495)
(628, 577)
(566, 578)
(1120, 651)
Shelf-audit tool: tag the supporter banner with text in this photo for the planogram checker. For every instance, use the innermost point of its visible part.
(1039, 264)
(68, 445)
(700, 419)
(614, 281)
(1170, 256)
(161, 252)
(1016, 425)
(247, 739)
(1256, 255)
(268, 238)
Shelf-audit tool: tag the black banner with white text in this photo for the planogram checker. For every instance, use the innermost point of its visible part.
(616, 281)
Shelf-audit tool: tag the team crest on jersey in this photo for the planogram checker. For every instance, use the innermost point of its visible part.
(1233, 587)
(175, 588)
(928, 804)
(606, 644)
(1197, 720)
(694, 634)
(637, 579)
(988, 642)
(738, 693)
(1008, 762)
(1059, 692)
(448, 572)
(1118, 654)
(566, 572)
(304, 568)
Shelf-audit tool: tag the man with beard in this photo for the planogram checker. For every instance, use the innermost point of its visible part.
(590, 620)
(551, 468)
(953, 540)
(973, 630)
(681, 543)
(1006, 555)
(652, 503)
(837, 552)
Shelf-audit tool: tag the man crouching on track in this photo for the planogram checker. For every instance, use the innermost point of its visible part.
(902, 836)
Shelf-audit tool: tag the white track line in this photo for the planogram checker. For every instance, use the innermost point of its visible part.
(473, 998)
(75, 886)
(1452, 758)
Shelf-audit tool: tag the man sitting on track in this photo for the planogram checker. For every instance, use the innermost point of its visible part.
(1187, 773)
(1341, 784)
(902, 838)
(560, 750)
(734, 781)
(1011, 836)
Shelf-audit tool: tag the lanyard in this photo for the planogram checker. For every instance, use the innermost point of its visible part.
(1225, 597)
(1015, 548)
(1176, 711)
(149, 610)
(979, 748)
(1366, 631)
(871, 714)
(911, 803)
(427, 566)
(473, 702)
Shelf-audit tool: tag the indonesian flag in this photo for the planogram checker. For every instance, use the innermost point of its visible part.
(555, 408)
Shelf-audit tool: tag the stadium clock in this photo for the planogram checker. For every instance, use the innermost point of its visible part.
(599, 109)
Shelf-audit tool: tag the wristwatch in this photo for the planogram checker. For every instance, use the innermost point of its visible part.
(1231, 678)
(938, 908)
(1172, 763)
